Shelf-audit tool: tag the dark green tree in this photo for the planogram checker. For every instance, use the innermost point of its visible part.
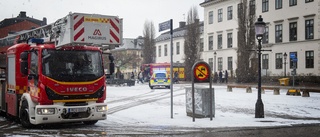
(246, 70)
(192, 41)
(148, 48)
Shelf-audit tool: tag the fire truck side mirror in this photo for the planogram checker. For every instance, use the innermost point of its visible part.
(111, 67)
(24, 63)
(111, 58)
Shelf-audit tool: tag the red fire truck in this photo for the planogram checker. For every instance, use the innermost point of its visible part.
(55, 73)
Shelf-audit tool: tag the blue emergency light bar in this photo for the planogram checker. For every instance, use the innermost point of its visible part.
(36, 40)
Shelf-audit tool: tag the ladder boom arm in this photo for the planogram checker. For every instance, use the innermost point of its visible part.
(74, 29)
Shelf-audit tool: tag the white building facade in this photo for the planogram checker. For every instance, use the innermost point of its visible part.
(220, 34)
(292, 28)
(163, 49)
(163, 45)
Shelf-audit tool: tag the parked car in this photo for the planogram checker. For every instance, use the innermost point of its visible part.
(160, 79)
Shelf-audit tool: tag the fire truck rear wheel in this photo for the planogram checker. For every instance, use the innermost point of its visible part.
(90, 122)
(24, 115)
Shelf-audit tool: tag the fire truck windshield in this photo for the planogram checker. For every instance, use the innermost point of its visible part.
(72, 65)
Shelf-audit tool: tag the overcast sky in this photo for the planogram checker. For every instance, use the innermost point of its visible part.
(133, 12)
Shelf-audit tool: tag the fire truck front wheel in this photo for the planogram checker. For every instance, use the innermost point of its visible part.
(24, 115)
(90, 122)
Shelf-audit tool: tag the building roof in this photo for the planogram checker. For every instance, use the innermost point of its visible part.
(22, 17)
(131, 44)
(178, 32)
(210, 2)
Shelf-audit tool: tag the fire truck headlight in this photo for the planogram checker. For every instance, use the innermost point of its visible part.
(46, 111)
(102, 108)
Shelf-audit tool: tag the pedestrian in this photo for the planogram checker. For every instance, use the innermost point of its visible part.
(226, 77)
(132, 75)
(220, 76)
(118, 74)
(223, 76)
(176, 77)
(215, 77)
(121, 76)
(140, 77)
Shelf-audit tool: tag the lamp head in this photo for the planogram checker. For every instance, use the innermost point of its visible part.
(260, 28)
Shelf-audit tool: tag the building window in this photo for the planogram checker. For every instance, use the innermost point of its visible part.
(211, 62)
(240, 9)
(159, 51)
(293, 31)
(252, 7)
(210, 42)
(165, 50)
(309, 29)
(265, 61)
(34, 63)
(178, 48)
(210, 17)
(201, 45)
(229, 40)
(309, 59)
(220, 41)
(278, 33)
(266, 35)
(220, 63)
(292, 2)
(229, 12)
(279, 61)
(230, 63)
(309, 1)
(278, 4)
(293, 61)
(219, 15)
(265, 5)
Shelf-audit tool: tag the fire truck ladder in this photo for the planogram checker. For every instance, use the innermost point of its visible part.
(74, 29)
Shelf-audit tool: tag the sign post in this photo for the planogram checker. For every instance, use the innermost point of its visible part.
(294, 60)
(164, 26)
(202, 73)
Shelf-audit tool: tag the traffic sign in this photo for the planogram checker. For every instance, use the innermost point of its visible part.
(293, 55)
(165, 25)
(201, 71)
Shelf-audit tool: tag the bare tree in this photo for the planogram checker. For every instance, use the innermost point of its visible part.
(148, 48)
(125, 59)
(192, 40)
(246, 42)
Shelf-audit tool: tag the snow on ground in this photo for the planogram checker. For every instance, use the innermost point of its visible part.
(232, 109)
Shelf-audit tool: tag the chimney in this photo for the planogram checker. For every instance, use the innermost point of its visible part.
(44, 21)
(182, 24)
(22, 14)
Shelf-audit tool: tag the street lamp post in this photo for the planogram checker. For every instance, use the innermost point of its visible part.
(214, 65)
(285, 64)
(259, 28)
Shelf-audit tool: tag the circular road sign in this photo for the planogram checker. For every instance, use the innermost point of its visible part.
(201, 71)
